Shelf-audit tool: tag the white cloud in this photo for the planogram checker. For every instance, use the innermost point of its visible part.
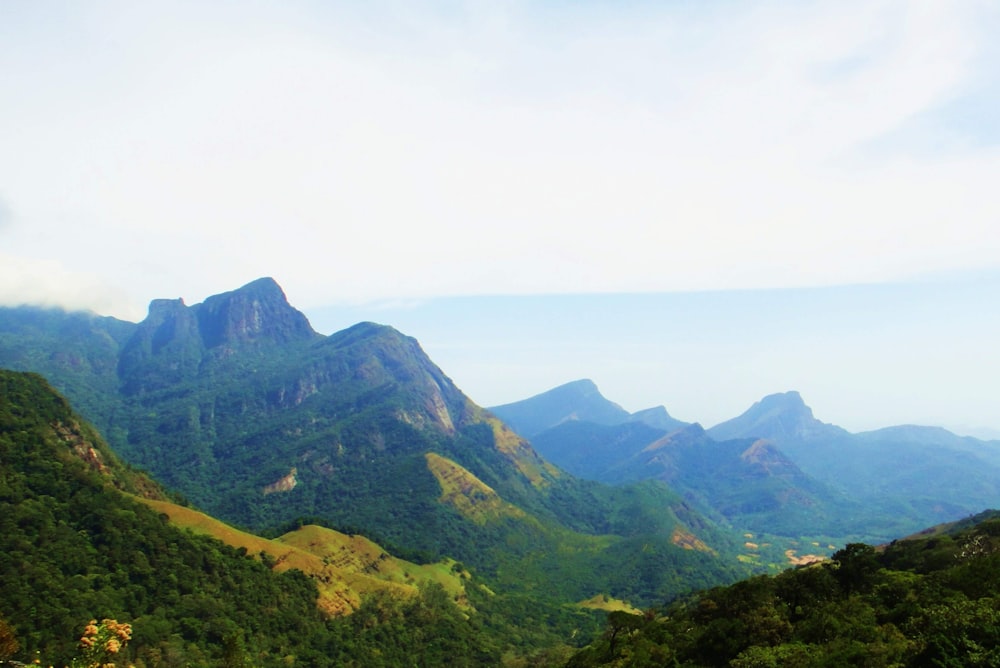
(48, 283)
(404, 152)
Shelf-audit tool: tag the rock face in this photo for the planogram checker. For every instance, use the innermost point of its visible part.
(257, 313)
(175, 342)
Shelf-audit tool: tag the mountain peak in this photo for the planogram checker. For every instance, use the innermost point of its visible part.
(263, 284)
(576, 400)
(657, 417)
(783, 402)
(255, 313)
(584, 386)
(776, 417)
(175, 339)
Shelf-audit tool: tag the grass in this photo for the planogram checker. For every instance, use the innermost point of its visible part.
(345, 568)
(469, 495)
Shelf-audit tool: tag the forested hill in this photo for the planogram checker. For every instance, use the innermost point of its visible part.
(76, 546)
(932, 600)
(256, 419)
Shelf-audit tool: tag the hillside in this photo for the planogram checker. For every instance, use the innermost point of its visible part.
(76, 543)
(929, 601)
(75, 546)
(344, 568)
(259, 421)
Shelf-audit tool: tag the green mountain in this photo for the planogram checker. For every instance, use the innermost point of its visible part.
(76, 543)
(256, 419)
(774, 469)
(922, 475)
(751, 483)
(928, 601)
(746, 483)
(82, 537)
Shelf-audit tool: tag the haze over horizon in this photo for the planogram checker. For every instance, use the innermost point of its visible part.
(694, 205)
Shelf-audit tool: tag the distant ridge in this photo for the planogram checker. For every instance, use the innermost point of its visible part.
(921, 475)
(874, 484)
(777, 417)
(579, 400)
(658, 417)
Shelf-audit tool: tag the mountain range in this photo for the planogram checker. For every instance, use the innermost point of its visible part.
(353, 460)
(773, 468)
(239, 408)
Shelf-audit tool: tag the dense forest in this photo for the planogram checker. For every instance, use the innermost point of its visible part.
(74, 547)
(927, 601)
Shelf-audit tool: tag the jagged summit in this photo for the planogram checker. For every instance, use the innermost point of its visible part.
(176, 341)
(256, 312)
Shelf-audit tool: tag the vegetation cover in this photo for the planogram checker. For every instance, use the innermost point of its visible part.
(78, 544)
(926, 601)
(240, 407)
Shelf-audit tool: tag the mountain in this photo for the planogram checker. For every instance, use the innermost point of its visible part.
(591, 450)
(578, 400)
(80, 348)
(657, 417)
(777, 417)
(83, 536)
(924, 475)
(581, 401)
(775, 468)
(750, 482)
(238, 405)
(746, 483)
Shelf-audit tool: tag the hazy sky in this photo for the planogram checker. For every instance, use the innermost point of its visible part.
(750, 164)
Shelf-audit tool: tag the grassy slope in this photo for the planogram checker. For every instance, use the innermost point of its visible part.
(344, 567)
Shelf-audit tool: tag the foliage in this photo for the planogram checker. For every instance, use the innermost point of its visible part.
(920, 602)
(218, 414)
(72, 543)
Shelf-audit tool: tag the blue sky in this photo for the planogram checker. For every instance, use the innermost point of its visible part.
(863, 357)
(576, 166)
